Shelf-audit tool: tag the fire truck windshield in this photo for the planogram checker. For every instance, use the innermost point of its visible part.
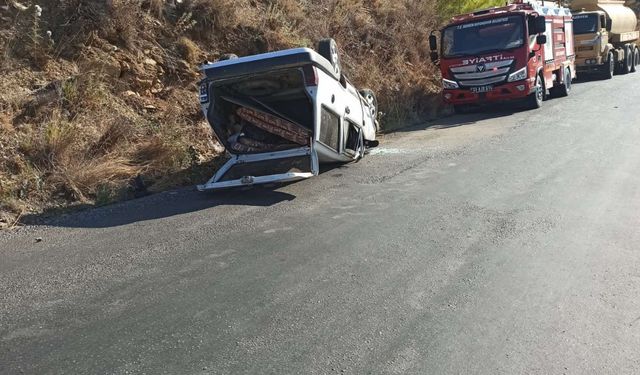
(585, 23)
(478, 37)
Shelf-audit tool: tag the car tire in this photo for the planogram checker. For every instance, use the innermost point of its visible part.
(534, 100)
(328, 48)
(370, 98)
(610, 66)
(228, 56)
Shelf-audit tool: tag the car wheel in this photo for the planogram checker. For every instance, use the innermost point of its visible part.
(228, 56)
(328, 48)
(371, 100)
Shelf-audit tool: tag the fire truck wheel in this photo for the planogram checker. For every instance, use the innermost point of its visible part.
(610, 66)
(534, 100)
(628, 60)
(563, 89)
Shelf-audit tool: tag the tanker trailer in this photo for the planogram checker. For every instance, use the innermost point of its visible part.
(606, 36)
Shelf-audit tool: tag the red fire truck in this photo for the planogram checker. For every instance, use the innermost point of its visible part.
(524, 50)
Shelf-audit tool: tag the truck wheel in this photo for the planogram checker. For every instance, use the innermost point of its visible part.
(628, 60)
(564, 89)
(328, 48)
(609, 66)
(534, 100)
(636, 59)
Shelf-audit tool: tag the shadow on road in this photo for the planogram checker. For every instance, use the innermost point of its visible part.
(168, 204)
(485, 112)
(158, 206)
(587, 78)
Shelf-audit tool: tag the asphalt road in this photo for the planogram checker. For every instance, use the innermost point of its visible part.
(496, 243)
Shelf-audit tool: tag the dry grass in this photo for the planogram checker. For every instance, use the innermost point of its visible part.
(189, 50)
(94, 93)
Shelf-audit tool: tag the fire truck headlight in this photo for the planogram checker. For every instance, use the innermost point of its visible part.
(519, 75)
(448, 84)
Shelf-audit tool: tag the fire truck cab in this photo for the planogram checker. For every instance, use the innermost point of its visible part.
(522, 51)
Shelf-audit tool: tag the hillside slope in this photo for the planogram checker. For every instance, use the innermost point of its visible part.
(98, 98)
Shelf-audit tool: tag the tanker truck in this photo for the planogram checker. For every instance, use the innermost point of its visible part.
(606, 36)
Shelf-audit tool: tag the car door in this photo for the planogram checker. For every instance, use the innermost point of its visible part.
(331, 103)
(353, 121)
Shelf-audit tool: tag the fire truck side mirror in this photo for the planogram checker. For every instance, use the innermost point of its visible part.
(434, 57)
(540, 25)
(541, 39)
(433, 46)
(433, 43)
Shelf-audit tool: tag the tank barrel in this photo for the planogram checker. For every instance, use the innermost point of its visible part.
(623, 19)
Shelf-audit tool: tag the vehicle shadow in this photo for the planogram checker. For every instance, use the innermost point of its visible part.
(159, 206)
(586, 78)
(476, 115)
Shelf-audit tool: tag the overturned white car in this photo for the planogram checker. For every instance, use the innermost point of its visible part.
(282, 113)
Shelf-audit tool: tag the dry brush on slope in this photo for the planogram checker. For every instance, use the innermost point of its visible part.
(98, 98)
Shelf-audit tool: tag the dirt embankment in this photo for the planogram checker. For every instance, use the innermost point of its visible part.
(98, 98)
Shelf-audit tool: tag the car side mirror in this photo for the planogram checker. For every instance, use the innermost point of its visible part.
(608, 24)
(541, 39)
(540, 25)
(433, 42)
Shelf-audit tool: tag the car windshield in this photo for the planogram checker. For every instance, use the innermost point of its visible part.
(585, 23)
(478, 37)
